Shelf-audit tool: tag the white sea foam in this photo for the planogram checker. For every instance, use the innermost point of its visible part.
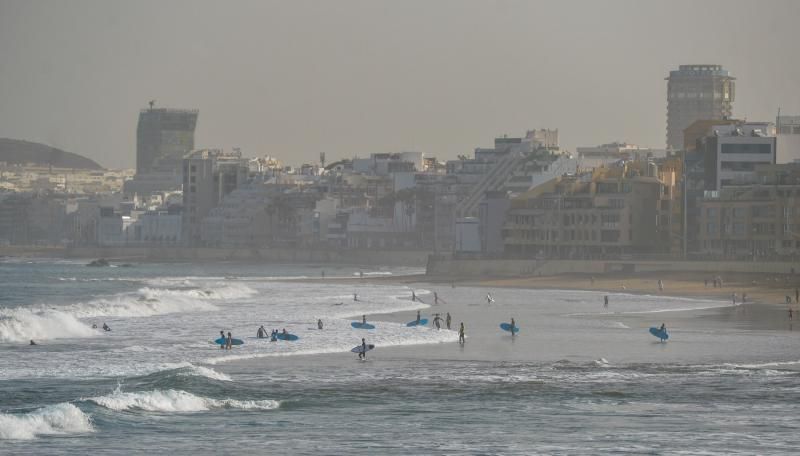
(61, 418)
(148, 301)
(189, 369)
(24, 324)
(175, 401)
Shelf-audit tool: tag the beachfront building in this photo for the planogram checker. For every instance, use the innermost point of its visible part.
(208, 175)
(787, 139)
(696, 92)
(732, 152)
(607, 212)
(759, 221)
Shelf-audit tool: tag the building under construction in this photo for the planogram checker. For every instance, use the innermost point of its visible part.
(163, 137)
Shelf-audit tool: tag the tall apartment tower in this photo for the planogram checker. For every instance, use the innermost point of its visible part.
(163, 137)
(696, 92)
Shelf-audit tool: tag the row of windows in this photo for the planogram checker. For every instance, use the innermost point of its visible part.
(571, 235)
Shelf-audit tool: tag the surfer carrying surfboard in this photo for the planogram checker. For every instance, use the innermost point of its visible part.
(363, 353)
(513, 327)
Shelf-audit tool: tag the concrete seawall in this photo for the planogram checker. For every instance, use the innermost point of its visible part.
(277, 255)
(438, 266)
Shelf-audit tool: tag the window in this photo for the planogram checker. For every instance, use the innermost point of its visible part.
(711, 212)
(747, 148)
(738, 212)
(711, 228)
(609, 236)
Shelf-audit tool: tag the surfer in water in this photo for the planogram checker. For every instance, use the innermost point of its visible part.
(222, 336)
(229, 341)
(489, 298)
(413, 296)
(605, 301)
(437, 321)
(435, 297)
(261, 333)
(447, 320)
(461, 334)
(363, 354)
(32, 342)
(363, 319)
(418, 317)
(513, 327)
(106, 328)
(319, 324)
(355, 296)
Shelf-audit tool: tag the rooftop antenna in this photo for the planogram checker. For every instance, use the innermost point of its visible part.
(151, 103)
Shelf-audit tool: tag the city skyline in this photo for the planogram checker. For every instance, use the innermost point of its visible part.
(294, 80)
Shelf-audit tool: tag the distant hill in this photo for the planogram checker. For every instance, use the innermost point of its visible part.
(14, 151)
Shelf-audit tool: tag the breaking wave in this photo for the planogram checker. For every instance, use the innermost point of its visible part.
(175, 401)
(55, 419)
(22, 325)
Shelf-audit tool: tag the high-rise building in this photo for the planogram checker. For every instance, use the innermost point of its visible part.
(697, 92)
(208, 175)
(163, 137)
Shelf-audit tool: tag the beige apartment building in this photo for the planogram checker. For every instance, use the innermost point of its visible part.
(608, 212)
(756, 221)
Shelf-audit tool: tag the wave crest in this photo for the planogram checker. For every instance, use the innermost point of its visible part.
(174, 401)
(22, 325)
(55, 419)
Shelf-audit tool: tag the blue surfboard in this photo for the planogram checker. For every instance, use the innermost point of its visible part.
(287, 337)
(359, 325)
(221, 341)
(422, 322)
(507, 327)
(659, 333)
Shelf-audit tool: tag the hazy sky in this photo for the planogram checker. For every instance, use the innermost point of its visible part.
(295, 78)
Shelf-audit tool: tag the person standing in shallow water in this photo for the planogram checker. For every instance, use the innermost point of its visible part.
(229, 341)
(447, 320)
(461, 334)
(363, 354)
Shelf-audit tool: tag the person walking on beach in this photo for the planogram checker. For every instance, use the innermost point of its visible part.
(605, 301)
(447, 320)
(660, 285)
(355, 296)
(733, 298)
(319, 324)
(461, 334)
(513, 327)
(797, 295)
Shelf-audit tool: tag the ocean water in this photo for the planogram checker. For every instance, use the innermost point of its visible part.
(578, 379)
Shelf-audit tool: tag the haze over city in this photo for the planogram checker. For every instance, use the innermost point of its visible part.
(399, 227)
(293, 79)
